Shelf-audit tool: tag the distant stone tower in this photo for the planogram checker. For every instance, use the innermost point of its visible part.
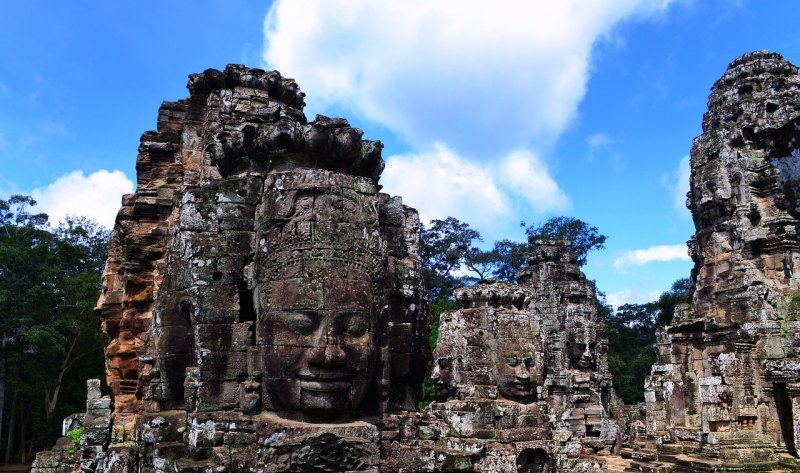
(578, 386)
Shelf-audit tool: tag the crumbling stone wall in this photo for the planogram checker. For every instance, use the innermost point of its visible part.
(520, 377)
(579, 385)
(262, 298)
(725, 383)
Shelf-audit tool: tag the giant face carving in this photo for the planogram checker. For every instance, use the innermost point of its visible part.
(442, 378)
(517, 376)
(582, 350)
(320, 340)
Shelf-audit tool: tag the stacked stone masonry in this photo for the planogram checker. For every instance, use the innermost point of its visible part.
(724, 394)
(265, 310)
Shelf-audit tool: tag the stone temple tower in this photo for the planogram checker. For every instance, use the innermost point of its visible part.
(725, 387)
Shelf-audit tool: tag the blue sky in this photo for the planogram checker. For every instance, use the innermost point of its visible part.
(492, 113)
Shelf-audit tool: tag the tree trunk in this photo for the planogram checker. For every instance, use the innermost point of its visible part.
(10, 436)
(50, 401)
(23, 419)
(30, 445)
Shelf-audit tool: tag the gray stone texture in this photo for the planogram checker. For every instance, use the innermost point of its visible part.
(265, 310)
(724, 392)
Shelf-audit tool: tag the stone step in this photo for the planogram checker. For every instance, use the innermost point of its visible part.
(15, 468)
(650, 467)
(615, 464)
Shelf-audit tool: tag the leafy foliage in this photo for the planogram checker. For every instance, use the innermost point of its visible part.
(631, 332)
(49, 283)
(510, 257)
(582, 236)
(75, 436)
(444, 247)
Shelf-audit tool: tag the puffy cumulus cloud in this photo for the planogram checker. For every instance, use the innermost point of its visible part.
(648, 255)
(477, 77)
(441, 183)
(96, 196)
(525, 175)
(630, 296)
(678, 185)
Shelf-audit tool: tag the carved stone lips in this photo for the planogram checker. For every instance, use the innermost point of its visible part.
(521, 386)
(324, 385)
(325, 381)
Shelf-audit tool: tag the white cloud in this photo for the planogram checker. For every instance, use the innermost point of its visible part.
(96, 196)
(629, 296)
(479, 78)
(602, 145)
(527, 176)
(678, 185)
(440, 183)
(598, 141)
(648, 255)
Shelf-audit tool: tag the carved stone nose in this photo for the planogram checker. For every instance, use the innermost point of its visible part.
(334, 354)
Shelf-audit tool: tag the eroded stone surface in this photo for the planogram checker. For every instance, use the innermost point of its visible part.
(264, 306)
(262, 297)
(724, 389)
(520, 376)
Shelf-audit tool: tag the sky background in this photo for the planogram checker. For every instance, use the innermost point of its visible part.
(491, 112)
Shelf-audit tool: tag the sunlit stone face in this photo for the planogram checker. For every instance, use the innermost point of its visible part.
(321, 343)
(517, 376)
(582, 350)
(442, 378)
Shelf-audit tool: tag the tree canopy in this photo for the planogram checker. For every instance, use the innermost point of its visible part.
(449, 246)
(49, 283)
(508, 255)
(631, 332)
(444, 248)
(449, 250)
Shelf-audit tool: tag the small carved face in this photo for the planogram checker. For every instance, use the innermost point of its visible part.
(442, 378)
(582, 352)
(323, 348)
(516, 375)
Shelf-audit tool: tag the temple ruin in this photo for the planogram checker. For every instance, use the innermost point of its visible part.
(265, 310)
(723, 394)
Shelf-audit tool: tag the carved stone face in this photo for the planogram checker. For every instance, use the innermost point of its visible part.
(516, 377)
(442, 378)
(582, 351)
(322, 352)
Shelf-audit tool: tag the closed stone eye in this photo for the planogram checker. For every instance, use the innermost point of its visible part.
(352, 323)
(302, 322)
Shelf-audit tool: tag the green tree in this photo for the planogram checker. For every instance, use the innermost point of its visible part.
(510, 257)
(49, 282)
(444, 247)
(583, 238)
(631, 332)
(681, 292)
